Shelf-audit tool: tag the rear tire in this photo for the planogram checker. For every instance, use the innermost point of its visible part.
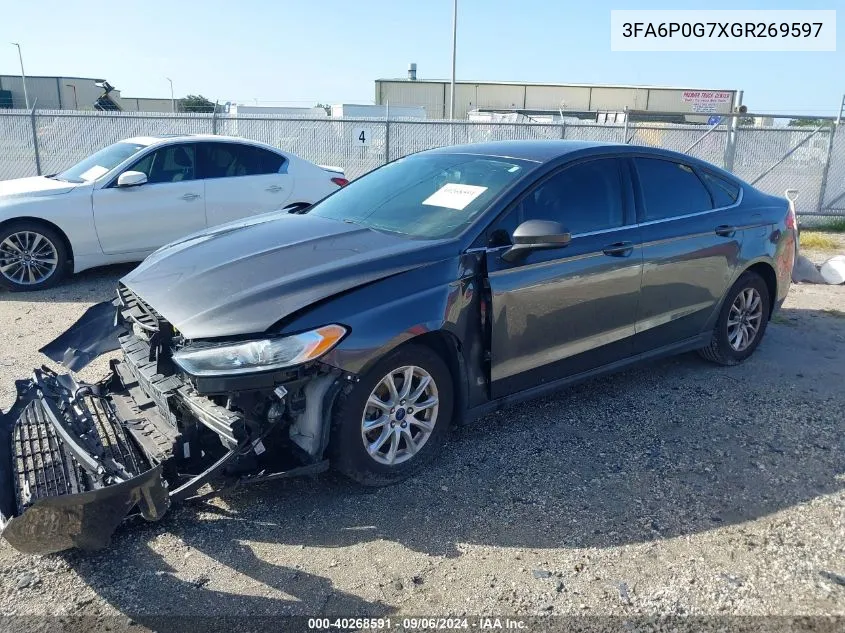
(33, 256)
(742, 321)
(381, 436)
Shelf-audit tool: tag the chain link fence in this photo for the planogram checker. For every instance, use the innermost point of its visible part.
(775, 158)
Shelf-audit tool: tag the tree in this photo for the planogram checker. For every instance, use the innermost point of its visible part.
(325, 107)
(195, 103)
(807, 122)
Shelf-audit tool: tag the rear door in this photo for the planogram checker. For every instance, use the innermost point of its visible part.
(242, 180)
(690, 250)
(170, 205)
(561, 312)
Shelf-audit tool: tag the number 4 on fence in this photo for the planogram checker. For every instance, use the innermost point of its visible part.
(362, 137)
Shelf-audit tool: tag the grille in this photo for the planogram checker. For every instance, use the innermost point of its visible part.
(137, 310)
(112, 442)
(43, 468)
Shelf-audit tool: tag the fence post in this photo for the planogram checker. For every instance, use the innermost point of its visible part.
(625, 128)
(35, 138)
(387, 141)
(562, 130)
(214, 118)
(826, 170)
(732, 133)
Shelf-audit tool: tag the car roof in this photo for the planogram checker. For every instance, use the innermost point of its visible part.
(162, 139)
(543, 151)
(539, 151)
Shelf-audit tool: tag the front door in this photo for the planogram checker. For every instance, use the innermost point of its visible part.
(242, 180)
(561, 312)
(170, 205)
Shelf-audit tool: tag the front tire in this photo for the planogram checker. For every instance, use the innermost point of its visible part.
(395, 419)
(32, 257)
(742, 321)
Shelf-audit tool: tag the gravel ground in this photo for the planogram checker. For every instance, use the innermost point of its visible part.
(674, 488)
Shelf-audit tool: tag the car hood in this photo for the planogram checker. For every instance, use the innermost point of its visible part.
(34, 186)
(243, 277)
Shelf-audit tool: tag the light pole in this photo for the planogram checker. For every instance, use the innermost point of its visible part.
(23, 75)
(172, 100)
(454, 48)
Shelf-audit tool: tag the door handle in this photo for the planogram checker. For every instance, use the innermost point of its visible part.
(726, 230)
(190, 196)
(274, 188)
(619, 249)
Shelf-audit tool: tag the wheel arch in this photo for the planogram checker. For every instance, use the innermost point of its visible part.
(44, 223)
(767, 272)
(443, 343)
(448, 347)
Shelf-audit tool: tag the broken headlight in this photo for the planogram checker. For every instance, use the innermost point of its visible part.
(249, 356)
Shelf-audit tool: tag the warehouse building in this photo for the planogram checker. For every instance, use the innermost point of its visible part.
(511, 96)
(72, 93)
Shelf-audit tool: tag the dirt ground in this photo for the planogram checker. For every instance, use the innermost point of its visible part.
(676, 488)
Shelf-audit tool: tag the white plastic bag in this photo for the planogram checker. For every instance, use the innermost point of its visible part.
(833, 270)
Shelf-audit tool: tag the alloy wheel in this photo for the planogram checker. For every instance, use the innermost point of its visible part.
(744, 319)
(28, 258)
(400, 415)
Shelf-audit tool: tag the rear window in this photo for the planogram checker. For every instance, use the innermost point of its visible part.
(725, 193)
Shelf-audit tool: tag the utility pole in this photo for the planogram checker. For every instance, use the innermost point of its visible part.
(172, 100)
(23, 75)
(454, 48)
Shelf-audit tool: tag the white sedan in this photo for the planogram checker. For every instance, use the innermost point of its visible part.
(127, 200)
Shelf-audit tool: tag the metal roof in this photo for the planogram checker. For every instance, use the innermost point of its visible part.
(549, 85)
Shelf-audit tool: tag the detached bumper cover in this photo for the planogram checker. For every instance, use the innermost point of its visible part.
(69, 474)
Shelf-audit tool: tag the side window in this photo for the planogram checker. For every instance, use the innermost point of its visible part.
(725, 193)
(585, 197)
(500, 233)
(670, 189)
(258, 161)
(230, 160)
(218, 159)
(174, 163)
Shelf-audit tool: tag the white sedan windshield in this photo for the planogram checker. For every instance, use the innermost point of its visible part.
(100, 163)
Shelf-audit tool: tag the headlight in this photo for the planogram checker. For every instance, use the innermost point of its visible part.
(266, 354)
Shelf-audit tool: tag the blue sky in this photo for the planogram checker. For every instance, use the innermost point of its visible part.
(301, 52)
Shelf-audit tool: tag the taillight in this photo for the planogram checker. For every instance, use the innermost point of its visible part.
(340, 182)
(790, 217)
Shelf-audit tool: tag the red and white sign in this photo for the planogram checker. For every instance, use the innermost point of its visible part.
(706, 100)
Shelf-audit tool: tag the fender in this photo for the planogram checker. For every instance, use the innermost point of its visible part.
(444, 297)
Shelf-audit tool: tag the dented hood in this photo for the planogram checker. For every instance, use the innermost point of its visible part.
(243, 277)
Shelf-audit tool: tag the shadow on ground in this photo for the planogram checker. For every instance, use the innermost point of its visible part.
(671, 448)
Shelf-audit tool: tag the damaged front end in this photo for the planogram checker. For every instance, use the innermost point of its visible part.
(77, 459)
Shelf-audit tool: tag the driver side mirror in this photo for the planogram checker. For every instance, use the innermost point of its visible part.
(131, 179)
(535, 235)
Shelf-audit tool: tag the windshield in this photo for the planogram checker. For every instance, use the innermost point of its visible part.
(100, 163)
(428, 196)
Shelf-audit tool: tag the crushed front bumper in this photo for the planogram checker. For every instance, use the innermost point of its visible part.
(76, 459)
(70, 472)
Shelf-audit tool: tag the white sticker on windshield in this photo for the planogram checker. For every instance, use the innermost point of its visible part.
(92, 174)
(454, 196)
